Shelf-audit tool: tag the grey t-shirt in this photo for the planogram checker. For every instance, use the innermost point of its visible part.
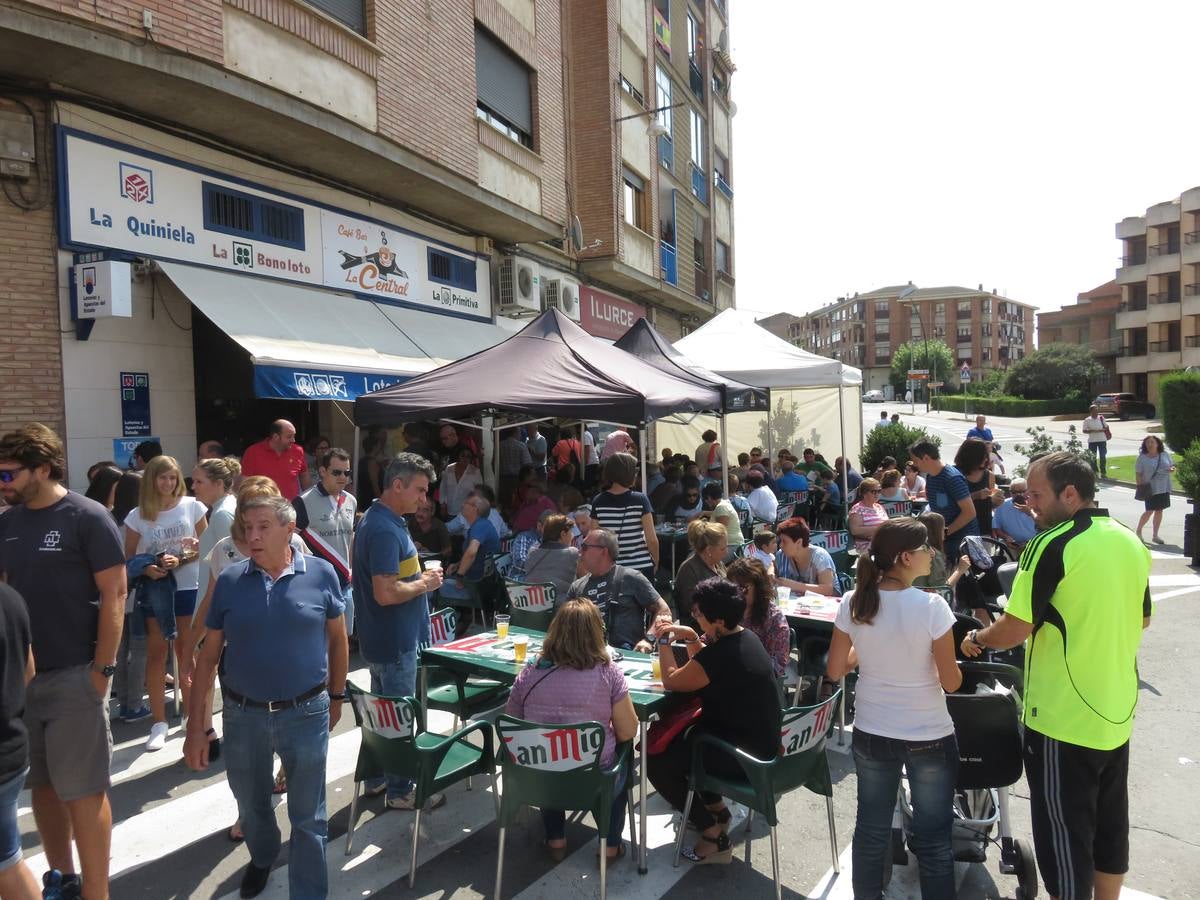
(51, 556)
(552, 563)
(625, 614)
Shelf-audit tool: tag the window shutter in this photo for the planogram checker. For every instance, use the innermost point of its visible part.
(633, 66)
(349, 12)
(502, 82)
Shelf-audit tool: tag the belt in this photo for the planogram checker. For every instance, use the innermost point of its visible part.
(271, 705)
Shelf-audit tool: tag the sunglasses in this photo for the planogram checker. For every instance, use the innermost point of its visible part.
(338, 473)
(7, 476)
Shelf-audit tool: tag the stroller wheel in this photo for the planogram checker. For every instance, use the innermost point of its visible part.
(1026, 865)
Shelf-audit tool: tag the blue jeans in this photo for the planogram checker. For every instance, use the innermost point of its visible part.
(10, 831)
(1100, 454)
(398, 679)
(301, 738)
(932, 768)
(348, 599)
(555, 820)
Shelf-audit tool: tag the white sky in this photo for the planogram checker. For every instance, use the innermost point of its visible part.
(952, 142)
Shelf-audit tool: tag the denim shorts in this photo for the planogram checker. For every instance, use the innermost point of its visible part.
(10, 832)
(185, 604)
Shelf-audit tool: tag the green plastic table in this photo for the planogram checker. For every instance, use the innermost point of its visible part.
(487, 656)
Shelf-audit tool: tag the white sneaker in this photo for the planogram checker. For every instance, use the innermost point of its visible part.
(158, 736)
(409, 801)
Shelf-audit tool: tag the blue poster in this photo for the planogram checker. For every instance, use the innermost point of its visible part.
(135, 404)
(123, 449)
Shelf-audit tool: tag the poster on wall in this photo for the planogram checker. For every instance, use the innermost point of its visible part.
(135, 404)
(120, 197)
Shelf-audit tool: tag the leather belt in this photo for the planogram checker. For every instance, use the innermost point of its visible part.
(270, 705)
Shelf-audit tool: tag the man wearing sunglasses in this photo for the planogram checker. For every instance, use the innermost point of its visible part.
(627, 600)
(325, 520)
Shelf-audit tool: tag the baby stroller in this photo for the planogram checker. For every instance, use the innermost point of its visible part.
(987, 722)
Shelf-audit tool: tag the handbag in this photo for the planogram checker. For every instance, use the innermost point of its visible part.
(666, 729)
(1146, 491)
(1107, 430)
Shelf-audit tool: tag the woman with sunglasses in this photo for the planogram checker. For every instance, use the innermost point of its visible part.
(901, 639)
(866, 515)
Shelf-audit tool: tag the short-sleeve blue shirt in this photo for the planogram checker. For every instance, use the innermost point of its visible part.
(383, 546)
(489, 544)
(944, 490)
(276, 644)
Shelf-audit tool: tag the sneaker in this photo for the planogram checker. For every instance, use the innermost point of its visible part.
(158, 737)
(409, 801)
(57, 886)
(134, 715)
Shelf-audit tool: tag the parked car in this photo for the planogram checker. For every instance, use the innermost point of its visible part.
(1124, 406)
(873, 397)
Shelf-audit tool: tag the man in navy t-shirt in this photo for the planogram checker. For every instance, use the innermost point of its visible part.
(948, 495)
(981, 430)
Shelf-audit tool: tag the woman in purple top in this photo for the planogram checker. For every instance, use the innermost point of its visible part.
(573, 680)
(763, 617)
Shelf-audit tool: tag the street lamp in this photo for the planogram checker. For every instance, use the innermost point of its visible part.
(932, 375)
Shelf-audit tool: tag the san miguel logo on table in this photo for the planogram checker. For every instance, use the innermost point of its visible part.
(375, 270)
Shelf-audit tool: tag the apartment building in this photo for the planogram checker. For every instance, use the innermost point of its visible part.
(786, 326)
(1159, 276)
(984, 329)
(1091, 321)
(249, 209)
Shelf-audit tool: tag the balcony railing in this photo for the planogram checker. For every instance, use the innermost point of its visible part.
(1164, 346)
(1105, 346)
(1191, 290)
(722, 184)
(963, 314)
(666, 152)
(1164, 297)
(699, 184)
(695, 79)
(1133, 259)
(1192, 340)
(1131, 306)
(667, 259)
(1192, 237)
(1164, 249)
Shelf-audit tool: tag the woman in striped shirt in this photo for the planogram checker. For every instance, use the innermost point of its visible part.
(627, 514)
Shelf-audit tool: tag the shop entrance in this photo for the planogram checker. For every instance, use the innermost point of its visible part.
(226, 408)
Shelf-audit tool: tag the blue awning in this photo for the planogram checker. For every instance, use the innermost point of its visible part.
(308, 383)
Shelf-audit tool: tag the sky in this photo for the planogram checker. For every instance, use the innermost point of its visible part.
(952, 142)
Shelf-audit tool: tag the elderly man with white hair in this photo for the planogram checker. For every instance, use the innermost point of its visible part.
(1013, 522)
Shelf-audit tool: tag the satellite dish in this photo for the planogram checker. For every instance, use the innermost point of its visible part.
(732, 109)
(723, 41)
(575, 234)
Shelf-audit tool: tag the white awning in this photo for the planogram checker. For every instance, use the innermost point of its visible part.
(314, 343)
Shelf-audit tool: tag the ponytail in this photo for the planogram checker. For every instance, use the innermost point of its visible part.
(864, 602)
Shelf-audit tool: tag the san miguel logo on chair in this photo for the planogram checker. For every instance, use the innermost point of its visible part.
(137, 183)
(556, 749)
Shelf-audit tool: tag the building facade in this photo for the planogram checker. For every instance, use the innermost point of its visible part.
(1159, 276)
(1089, 322)
(249, 209)
(984, 330)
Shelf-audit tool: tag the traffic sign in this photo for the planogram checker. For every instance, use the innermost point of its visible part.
(937, 384)
(918, 376)
(964, 374)
(913, 373)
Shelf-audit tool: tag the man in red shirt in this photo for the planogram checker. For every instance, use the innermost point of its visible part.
(279, 458)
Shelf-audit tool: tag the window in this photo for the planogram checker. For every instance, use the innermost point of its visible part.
(693, 36)
(698, 242)
(635, 199)
(351, 13)
(451, 269)
(245, 215)
(632, 91)
(722, 257)
(502, 88)
(662, 98)
(697, 138)
(633, 72)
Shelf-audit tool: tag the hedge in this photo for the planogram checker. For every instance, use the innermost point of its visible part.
(1010, 406)
(1179, 403)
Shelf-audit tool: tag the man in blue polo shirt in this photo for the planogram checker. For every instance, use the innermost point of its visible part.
(948, 496)
(279, 618)
(981, 430)
(391, 599)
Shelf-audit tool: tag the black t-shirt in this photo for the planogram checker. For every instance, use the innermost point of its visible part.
(740, 704)
(14, 649)
(50, 556)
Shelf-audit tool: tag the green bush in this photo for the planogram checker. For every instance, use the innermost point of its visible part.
(891, 440)
(1049, 372)
(1179, 405)
(1187, 469)
(1010, 406)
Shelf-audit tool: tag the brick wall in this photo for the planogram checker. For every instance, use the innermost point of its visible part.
(193, 27)
(30, 351)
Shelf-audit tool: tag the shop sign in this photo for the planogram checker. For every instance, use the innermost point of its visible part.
(123, 448)
(295, 383)
(606, 316)
(135, 404)
(119, 197)
(103, 289)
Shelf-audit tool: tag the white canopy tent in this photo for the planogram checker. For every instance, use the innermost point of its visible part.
(815, 401)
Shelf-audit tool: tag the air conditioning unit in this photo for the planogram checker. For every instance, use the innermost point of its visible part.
(561, 294)
(518, 290)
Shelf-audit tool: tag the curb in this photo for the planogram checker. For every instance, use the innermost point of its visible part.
(1130, 484)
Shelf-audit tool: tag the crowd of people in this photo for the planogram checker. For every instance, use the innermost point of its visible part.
(267, 571)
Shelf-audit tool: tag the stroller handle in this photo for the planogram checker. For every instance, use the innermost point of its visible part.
(1009, 674)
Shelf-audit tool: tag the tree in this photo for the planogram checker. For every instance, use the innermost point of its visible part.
(894, 441)
(912, 355)
(1054, 372)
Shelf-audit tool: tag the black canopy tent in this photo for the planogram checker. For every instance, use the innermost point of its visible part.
(644, 342)
(552, 368)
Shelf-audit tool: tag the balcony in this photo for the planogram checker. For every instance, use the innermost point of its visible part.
(963, 314)
(1132, 270)
(1111, 346)
(1192, 340)
(1164, 258)
(1132, 361)
(699, 184)
(667, 262)
(722, 184)
(666, 152)
(1164, 307)
(1164, 346)
(1164, 356)
(1191, 302)
(1131, 316)
(1164, 249)
(696, 79)
(1163, 297)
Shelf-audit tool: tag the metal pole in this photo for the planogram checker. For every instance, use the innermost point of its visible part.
(724, 460)
(357, 457)
(770, 434)
(845, 455)
(642, 454)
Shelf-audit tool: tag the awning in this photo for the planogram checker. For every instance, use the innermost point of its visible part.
(309, 343)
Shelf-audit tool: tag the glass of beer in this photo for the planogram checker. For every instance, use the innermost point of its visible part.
(502, 627)
(520, 644)
(433, 563)
(656, 668)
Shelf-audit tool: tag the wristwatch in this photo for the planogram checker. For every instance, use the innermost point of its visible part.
(341, 696)
(107, 671)
(974, 640)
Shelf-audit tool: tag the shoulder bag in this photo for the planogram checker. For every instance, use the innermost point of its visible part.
(1145, 490)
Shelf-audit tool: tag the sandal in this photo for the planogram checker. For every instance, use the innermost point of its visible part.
(558, 854)
(620, 854)
(723, 854)
(235, 833)
(280, 783)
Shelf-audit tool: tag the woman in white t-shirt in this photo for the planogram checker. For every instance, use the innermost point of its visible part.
(166, 524)
(902, 640)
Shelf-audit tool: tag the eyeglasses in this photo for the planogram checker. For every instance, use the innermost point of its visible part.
(338, 473)
(870, 490)
(7, 476)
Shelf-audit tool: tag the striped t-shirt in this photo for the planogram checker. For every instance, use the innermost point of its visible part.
(622, 515)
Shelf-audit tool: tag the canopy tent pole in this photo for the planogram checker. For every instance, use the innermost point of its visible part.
(642, 455)
(487, 448)
(357, 456)
(724, 461)
(770, 433)
(845, 457)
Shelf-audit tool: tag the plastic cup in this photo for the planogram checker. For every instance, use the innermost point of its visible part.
(656, 668)
(433, 564)
(520, 644)
(783, 594)
(502, 627)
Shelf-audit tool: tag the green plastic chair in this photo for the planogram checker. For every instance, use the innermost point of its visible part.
(837, 544)
(394, 739)
(558, 767)
(453, 692)
(897, 508)
(530, 605)
(801, 763)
